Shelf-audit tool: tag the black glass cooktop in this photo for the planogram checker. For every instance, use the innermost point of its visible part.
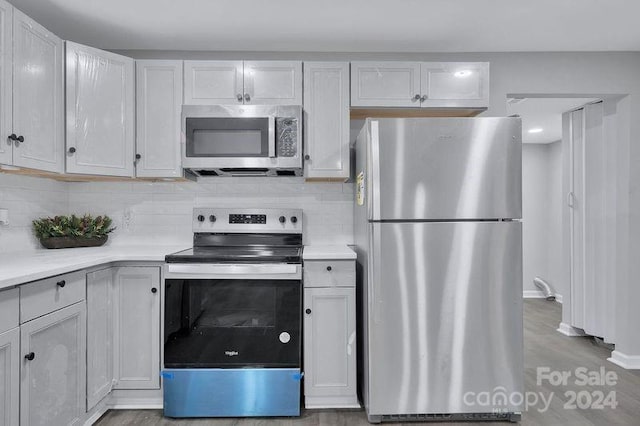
(235, 254)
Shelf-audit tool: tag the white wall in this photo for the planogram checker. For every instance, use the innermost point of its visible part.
(542, 215)
(28, 198)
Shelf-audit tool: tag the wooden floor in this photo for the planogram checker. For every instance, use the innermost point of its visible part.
(544, 347)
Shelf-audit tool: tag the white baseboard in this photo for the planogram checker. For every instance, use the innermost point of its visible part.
(570, 331)
(629, 362)
(537, 294)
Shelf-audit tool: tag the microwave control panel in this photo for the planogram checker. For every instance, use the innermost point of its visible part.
(287, 136)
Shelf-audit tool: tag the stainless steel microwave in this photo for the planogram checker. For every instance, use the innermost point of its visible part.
(242, 140)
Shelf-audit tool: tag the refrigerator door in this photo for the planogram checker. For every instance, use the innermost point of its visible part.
(444, 307)
(444, 168)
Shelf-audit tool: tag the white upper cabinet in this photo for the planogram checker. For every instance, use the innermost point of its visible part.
(6, 80)
(273, 82)
(455, 84)
(238, 82)
(387, 84)
(420, 84)
(100, 113)
(158, 108)
(38, 103)
(326, 126)
(213, 82)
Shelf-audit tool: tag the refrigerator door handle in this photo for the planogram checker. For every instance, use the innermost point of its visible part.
(375, 171)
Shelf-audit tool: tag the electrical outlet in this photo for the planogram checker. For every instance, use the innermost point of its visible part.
(126, 219)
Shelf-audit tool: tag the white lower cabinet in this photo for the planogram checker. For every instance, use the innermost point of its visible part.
(9, 377)
(137, 327)
(99, 335)
(53, 374)
(329, 345)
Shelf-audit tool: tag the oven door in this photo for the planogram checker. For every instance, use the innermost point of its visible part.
(227, 322)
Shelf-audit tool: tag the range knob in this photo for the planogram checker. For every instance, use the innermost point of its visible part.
(200, 218)
(282, 219)
(212, 218)
(294, 219)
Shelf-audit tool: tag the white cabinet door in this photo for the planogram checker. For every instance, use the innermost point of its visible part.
(326, 108)
(53, 377)
(213, 82)
(38, 102)
(100, 114)
(385, 84)
(158, 109)
(9, 377)
(6, 82)
(99, 335)
(330, 347)
(137, 328)
(273, 82)
(455, 84)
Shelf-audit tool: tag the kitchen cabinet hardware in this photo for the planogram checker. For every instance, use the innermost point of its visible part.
(308, 311)
(306, 157)
(30, 356)
(13, 137)
(61, 283)
(282, 219)
(416, 98)
(212, 218)
(424, 98)
(154, 290)
(200, 218)
(294, 219)
(138, 156)
(20, 138)
(247, 98)
(72, 150)
(329, 268)
(239, 97)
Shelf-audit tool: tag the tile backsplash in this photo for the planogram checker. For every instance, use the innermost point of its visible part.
(160, 212)
(28, 198)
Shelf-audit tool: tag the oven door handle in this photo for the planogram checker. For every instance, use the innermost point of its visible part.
(232, 269)
(272, 136)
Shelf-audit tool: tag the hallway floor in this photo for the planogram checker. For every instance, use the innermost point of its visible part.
(544, 347)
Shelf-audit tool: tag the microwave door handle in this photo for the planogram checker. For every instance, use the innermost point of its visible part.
(272, 136)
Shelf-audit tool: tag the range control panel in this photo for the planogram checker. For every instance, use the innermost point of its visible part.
(247, 220)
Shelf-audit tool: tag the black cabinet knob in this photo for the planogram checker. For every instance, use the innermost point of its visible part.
(154, 290)
(282, 219)
(294, 219)
(308, 311)
(200, 218)
(30, 356)
(20, 138)
(61, 283)
(306, 157)
(72, 150)
(13, 137)
(212, 218)
(138, 156)
(329, 268)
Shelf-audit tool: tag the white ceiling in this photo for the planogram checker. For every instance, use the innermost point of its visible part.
(545, 114)
(344, 25)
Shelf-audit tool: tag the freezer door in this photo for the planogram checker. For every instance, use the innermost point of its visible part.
(445, 168)
(444, 317)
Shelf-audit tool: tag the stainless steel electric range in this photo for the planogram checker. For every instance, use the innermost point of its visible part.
(232, 316)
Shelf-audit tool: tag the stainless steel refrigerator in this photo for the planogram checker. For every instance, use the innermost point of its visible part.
(439, 241)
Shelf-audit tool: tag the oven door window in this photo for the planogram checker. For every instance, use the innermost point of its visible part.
(227, 137)
(232, 323)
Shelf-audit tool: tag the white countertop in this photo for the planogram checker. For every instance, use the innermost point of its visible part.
(326, 252)
(22, 267)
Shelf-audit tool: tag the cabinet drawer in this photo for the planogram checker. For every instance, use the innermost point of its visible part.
(8, 309)
(42, 297)
(329, 273)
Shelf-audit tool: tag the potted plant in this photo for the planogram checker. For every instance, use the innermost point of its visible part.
(72, 231)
